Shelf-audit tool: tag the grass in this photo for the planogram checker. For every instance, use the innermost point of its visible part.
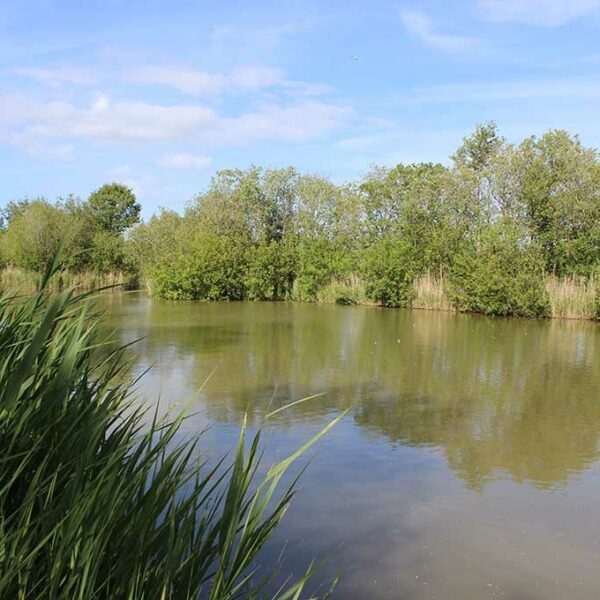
(343, 291)
(12, 278)
(100, 499)
(572, 297)
(429, 292)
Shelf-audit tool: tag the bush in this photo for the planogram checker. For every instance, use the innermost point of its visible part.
(389, 270)
(212, 267)
(502, 275)
(270, 274)
(34, 234)
(97, 501)
(107, 253)
(315, 269)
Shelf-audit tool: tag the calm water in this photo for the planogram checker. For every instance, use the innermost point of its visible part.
(467, 466)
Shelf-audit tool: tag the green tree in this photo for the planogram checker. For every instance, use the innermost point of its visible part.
(34, 232)
(209, 267)
(561, 191)
(503, 275)
(107, 253)
(480, 148)
(114, 207)
(389, 269)
(147, 243)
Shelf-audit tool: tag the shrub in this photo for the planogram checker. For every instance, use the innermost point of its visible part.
(389, 270)
(270, 274)
(107, 252)
(212, 267)
(502, 275)
(34, 234)
(315, 269)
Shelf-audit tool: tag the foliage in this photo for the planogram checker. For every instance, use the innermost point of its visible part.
(501, 276)
(107, 252)
(274, 234)
(150, 241)
(270, 274)
(209, 268)
(561, 189)
(389, 270)
(316, 267)
(34, 232)
(97, 501)
(114, 207)
(91, 232)
(343, 291)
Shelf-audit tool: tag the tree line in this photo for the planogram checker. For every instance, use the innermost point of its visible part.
(490, 228)
(91, 232)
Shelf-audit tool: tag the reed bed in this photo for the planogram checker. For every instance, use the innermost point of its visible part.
(429, 293)
(350, 290)
(100, 499)
(29, 281)
(573, 297)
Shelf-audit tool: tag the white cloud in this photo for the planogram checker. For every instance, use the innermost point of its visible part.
(296, 123)
(549, 13)
(570, 89)
(146, 187)
(244, 79)
(184, 79)
(101, 103)
(28, 120)
(185, 161)
(58, 75)
(121, 171)
(252, 78)
(420, 25)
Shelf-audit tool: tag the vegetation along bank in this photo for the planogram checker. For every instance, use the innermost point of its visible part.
(504, 229)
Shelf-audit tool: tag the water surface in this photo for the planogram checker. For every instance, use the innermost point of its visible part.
(467, 466)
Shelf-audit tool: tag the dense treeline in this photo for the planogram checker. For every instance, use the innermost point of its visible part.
(489, 232)
(91, 232)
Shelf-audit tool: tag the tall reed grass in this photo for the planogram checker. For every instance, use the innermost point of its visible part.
(12, 278)
(95, 501)
(573, 297)
(429, 292)
(349, 290)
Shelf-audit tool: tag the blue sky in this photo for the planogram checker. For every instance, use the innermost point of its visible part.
(160, 95)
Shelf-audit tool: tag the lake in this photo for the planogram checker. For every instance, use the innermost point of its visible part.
(466, 467)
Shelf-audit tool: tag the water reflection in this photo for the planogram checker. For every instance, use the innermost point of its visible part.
(501, 398)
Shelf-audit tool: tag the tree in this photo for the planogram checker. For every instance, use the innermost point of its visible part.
(503, 275)
(114, 207)
(389, 270)
(34, 233)
(150, 241)
(561, 191)
(480, 147)
(209, 267)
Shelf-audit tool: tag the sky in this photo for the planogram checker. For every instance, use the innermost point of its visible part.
(161, 95)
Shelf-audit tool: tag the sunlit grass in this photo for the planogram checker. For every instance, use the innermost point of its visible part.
(12, 278)
(572, 297)
(430, 293)
(350, 290)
